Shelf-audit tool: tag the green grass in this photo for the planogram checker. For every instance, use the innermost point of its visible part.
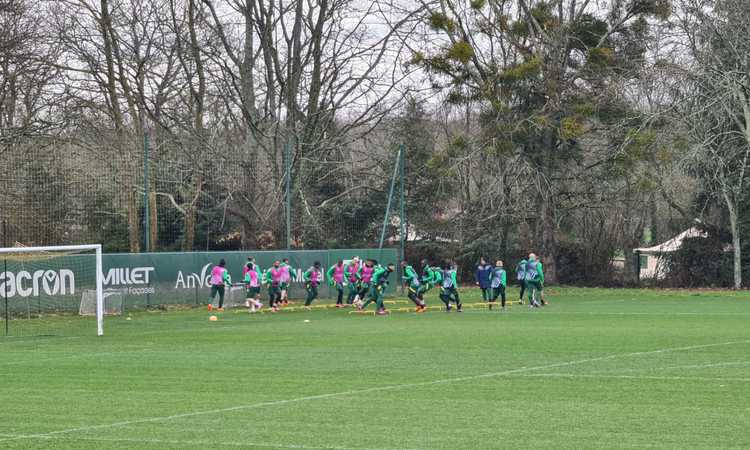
(595, 369)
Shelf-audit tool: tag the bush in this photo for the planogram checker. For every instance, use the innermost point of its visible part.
(578, 264)
(701, 262)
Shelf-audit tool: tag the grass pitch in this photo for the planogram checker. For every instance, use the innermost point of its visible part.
(595, 369)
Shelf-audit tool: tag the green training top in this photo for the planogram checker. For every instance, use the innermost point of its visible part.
(380, 275)
(429, 274)
(411, 276)
(437, 275)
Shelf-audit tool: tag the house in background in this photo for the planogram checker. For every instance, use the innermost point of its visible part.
(652, 263)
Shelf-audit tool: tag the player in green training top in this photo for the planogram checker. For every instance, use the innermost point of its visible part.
(449, 287)
(521, 276)
(364, 278)
(252, 279)
(379, 283)
(534, 280)
(427, 279)
(337, 278)
(312, 278)
(437, 276)
(498, 281)
(287, 274)
(272, 277)
(352, 280)
(413, 286)
(219, 280)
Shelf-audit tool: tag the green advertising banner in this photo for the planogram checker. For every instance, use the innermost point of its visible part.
(152, 279)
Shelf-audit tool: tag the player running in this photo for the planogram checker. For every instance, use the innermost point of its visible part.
(252, 281)
(498, 282)
(312, 278)
(364, 278)
(437, 276)
(414, 286)
(449, 287)
(521, 277)
(379, 284)
(337, 277)
(286, 278)
(272, 278)
(219, 279)
(534, 280)
(427, 278)
(351, 275)
(246, 267)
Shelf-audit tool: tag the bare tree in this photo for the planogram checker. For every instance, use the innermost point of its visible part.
(313, 77)
(717, 103)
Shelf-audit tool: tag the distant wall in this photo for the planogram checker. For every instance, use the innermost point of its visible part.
(152, 279)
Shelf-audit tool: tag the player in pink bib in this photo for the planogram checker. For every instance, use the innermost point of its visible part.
(252, 279)
(286, 279)
(351, 277)
(337, 277)
(364, 275)
(312, 278)
(272, 278)
(219, 279)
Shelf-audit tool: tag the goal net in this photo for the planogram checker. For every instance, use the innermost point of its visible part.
(234, 297)
(42, 289)
(113, 302)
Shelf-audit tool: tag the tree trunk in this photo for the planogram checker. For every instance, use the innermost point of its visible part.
(249, 236)
(735, 229)
(189, 240)
(654, 220)
(632, 266)
(549, 245)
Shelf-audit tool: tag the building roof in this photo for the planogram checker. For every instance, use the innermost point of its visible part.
(673, 244)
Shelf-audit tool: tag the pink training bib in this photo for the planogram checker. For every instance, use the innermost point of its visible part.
(217, 275)
(285, 275)
(367, 273)
(254, 279)
(315, 277)
(338, 273)
(353, 272)
(277, 275)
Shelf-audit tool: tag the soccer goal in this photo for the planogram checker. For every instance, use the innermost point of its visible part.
(39, 286)
(113, 302)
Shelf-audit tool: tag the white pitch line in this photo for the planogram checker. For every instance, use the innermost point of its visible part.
(614, 313)
(213, 444)
(706, 366)
(363, 391)
(635, 377)
(33, 339)
(63, 358)
(690, 366)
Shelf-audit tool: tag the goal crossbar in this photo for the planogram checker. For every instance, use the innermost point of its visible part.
(97, 248)
(58, 248)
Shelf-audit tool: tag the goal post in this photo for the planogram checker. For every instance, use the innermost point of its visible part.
(38, 282)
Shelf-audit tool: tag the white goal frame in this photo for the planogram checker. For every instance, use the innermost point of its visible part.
(71, 248)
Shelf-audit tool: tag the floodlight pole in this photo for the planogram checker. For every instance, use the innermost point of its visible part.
(288, 189)
(390, 198)
(404, 228)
